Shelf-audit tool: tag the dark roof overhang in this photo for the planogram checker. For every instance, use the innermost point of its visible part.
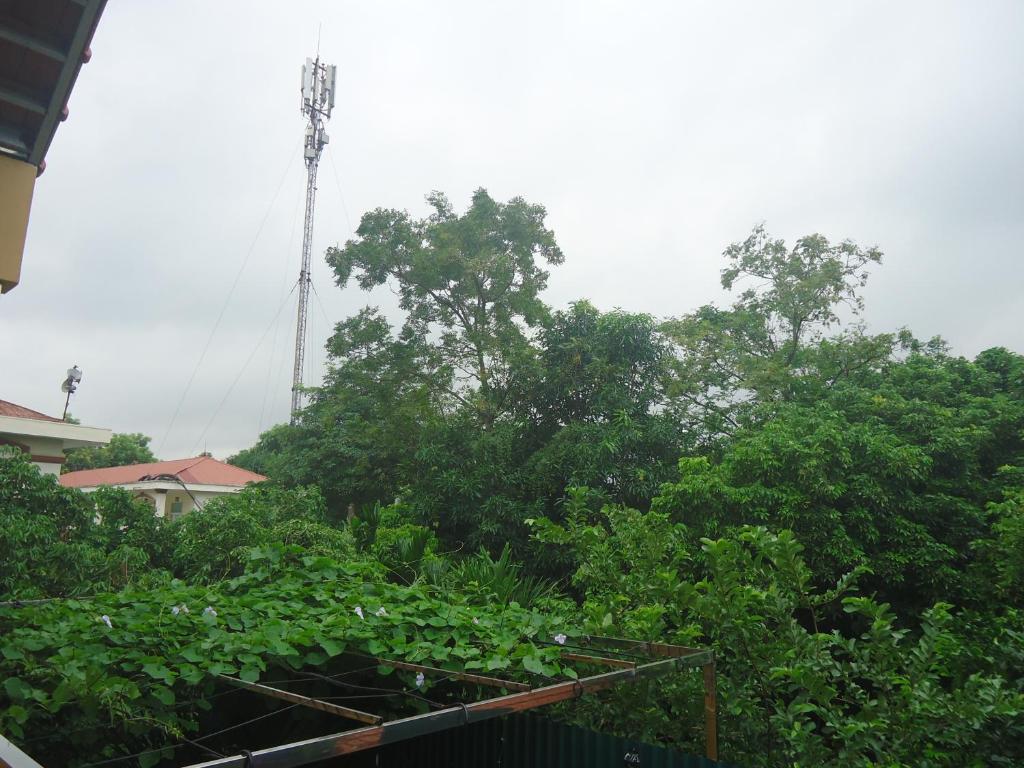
(43, 44)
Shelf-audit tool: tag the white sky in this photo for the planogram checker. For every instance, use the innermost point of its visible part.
(655, 134)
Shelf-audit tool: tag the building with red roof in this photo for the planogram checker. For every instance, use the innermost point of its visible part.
(174, 488)
(44, 438)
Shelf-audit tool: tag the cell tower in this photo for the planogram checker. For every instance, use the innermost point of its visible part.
(317, 103)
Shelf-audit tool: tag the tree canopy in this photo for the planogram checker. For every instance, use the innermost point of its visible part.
(123, 449)
(839, 514)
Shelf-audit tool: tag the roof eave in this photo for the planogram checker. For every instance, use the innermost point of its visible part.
(159, 485)
(73, 435)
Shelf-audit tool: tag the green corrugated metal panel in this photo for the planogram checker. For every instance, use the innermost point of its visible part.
(524, 741)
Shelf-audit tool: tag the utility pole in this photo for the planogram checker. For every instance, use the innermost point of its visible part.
(317, 103)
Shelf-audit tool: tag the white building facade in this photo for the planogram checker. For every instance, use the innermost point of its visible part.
(44, 438)
(173, 488)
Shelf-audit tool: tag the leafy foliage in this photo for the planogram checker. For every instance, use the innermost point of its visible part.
(838, 514)
(475, 276)
(122, 449)
(146, 676)
(58, 541)
(794, 694)
(500, 580)
(758, 350)
(362, 424)
(894, 473)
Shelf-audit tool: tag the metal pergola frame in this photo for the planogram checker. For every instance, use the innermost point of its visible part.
(377, 733)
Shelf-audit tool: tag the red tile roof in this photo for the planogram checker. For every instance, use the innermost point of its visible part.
(21, 412)
(201, 470)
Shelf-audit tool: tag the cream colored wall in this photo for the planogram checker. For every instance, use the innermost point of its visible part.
(17, 180)
(186, 501)
(177, 503)
(40, 446)
(165, 496)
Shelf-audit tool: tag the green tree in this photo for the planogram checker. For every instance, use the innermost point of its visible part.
(362, 424)
(894, 472)
(596, 407)
(772, 340)
(1003, 553)
(474, 277)
(122, 450)
(792, 690)
(585, 411)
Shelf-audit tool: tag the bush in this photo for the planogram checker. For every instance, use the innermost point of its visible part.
(315, 538)
(865, 692)
(212, 543)
(57, 541)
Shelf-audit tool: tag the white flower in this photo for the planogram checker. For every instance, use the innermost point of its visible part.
(359, 612)
(208, 611)
(420, 679)
(476, 620)
(184, 608)
(380, 612)
(106, 620)
(175, 609)
(560, 638)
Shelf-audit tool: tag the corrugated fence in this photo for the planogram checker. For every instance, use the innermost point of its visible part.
(524, 741)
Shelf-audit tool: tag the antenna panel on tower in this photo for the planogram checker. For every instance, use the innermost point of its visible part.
(332, 71)
(308, 74)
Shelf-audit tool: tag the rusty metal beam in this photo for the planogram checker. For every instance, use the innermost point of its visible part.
(334, 745)
(650, 648)
(305, 701)
(602, 660)
(710, 712)
(468, 677)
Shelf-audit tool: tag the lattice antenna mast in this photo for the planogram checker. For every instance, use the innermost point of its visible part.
(317, 103)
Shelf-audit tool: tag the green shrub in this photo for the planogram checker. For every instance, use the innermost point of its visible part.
(60, 541)
(315, 538)
(864, 692)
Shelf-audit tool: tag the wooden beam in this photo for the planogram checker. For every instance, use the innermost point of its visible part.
(468, 677)
(305, 701)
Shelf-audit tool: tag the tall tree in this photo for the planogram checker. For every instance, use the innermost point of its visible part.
(363, 423)
(585, 412)
(474, 277)
(772, 340)
(598, 409)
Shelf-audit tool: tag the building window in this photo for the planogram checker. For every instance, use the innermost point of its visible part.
(176, 508)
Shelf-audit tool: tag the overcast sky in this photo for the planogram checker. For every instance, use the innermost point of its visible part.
(654, 133)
